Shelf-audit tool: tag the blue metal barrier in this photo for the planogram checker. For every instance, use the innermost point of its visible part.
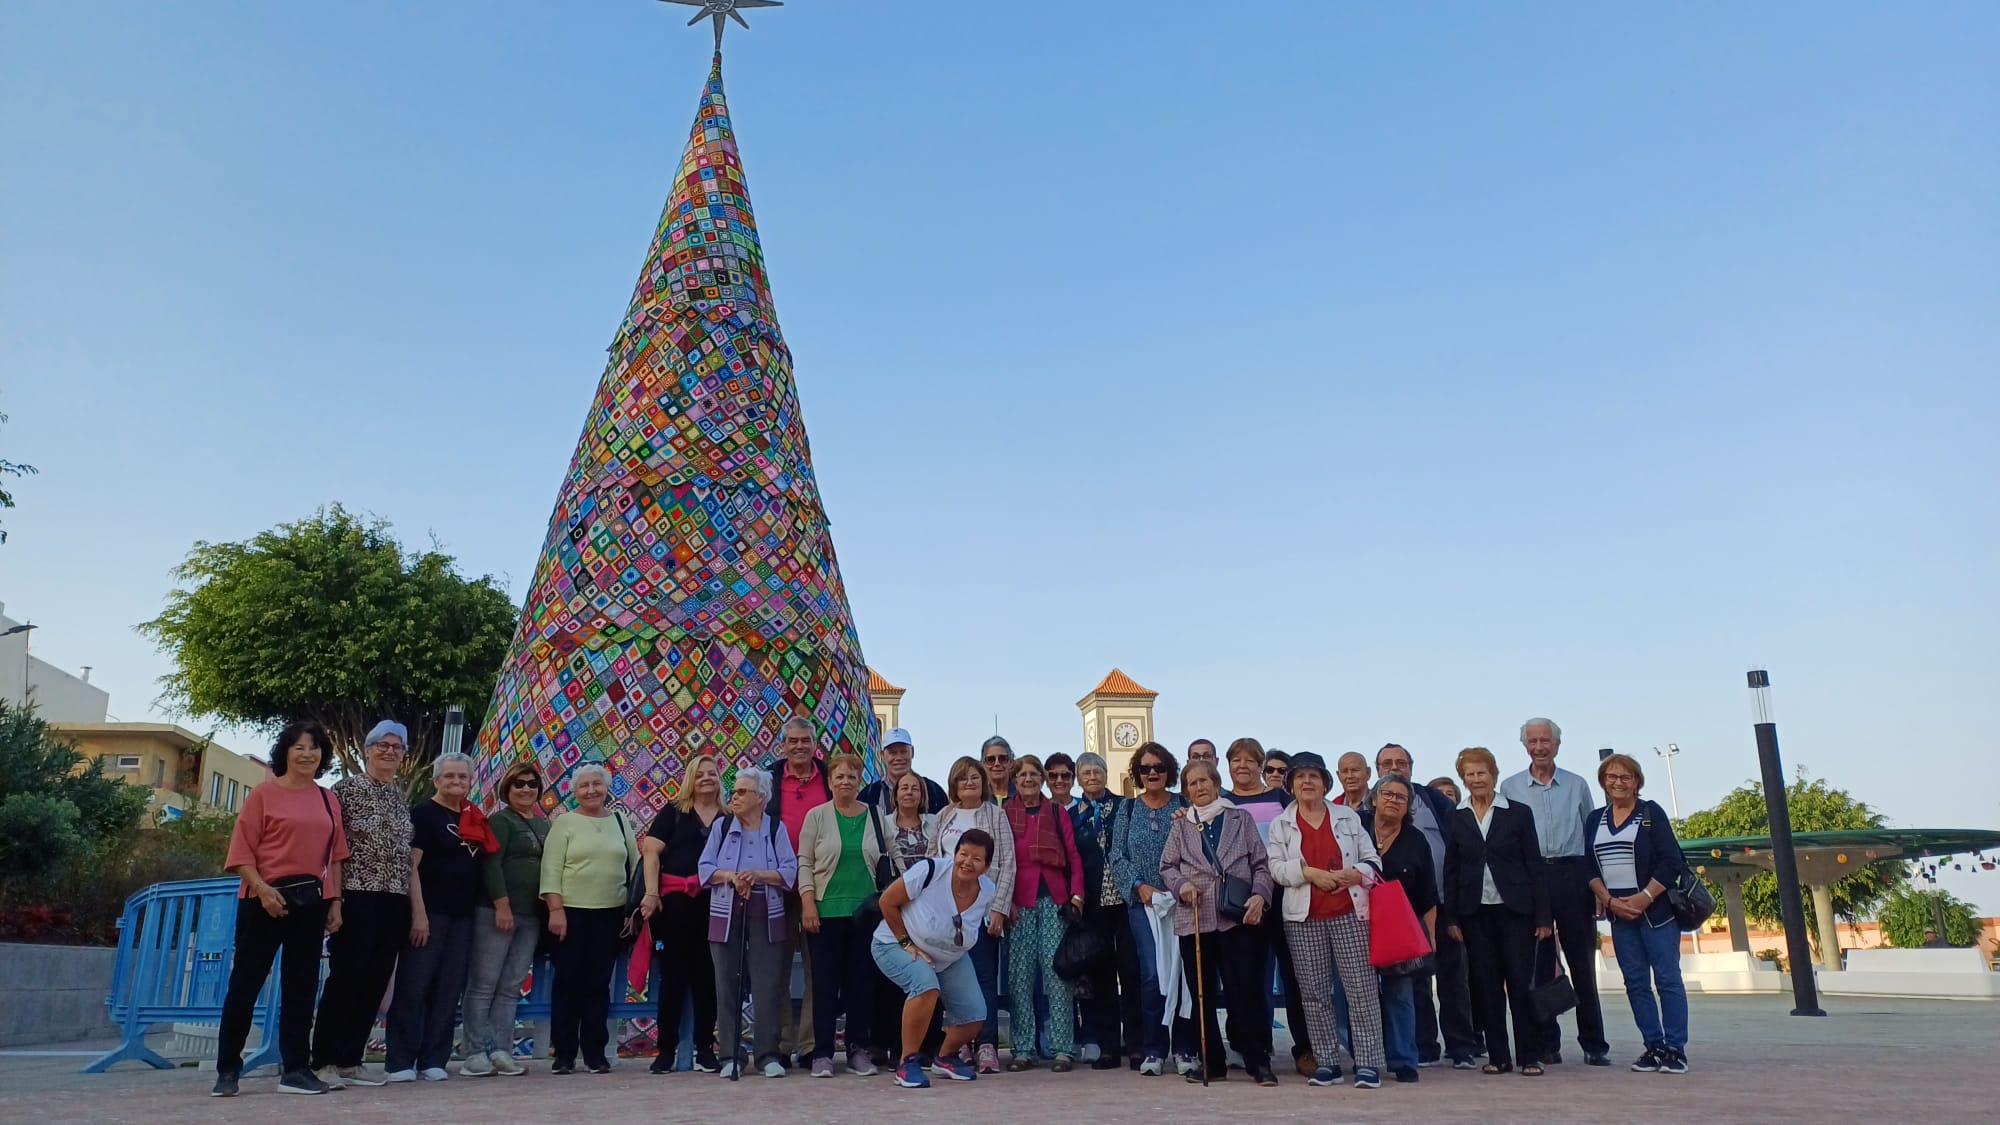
(175, 946)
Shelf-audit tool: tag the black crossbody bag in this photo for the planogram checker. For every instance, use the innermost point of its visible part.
(303, 891)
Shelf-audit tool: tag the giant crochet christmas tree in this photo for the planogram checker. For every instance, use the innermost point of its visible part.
(687, 599)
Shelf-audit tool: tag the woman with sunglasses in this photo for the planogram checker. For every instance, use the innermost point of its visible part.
(1277, 765)
(671, 851)
(1406, 860)
(930, 921)
(1138, 837)
(507, 927)
(970, 787)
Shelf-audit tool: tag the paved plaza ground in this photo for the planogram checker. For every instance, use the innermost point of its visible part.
(1906, 1062)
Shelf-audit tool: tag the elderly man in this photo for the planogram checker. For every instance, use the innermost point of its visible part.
(1451, 1012)
(898, 748)
(798, 786)
(1560, 801)
(1352, 773)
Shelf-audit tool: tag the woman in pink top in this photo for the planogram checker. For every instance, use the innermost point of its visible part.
(286, 847)
(1048, 893)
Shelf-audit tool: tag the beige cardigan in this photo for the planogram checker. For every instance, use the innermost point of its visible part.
(819, 847)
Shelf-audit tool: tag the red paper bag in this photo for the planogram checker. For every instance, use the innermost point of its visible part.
(1395, 934)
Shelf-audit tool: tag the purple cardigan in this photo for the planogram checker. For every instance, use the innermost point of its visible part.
(731, 848)
(1184, 861)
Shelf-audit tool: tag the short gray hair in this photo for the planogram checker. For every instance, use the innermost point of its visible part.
(1399, 778)
(996, 740)
(1088, 758)
(590, 767)
(443, 760)
(799, 722)
(757, 779)
(1554, 730)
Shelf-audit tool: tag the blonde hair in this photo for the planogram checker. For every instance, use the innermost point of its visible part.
(1026, 760)
(959, 770)
(684, 800)
(1477, 754)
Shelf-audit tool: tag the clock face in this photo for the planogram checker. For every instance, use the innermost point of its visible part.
(1125, 735)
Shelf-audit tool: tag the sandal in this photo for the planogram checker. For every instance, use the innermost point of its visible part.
(1019, 1063)
(1531, 1070)
(1496, 1068)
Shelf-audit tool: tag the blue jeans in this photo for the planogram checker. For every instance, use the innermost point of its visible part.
(957, 985)
(1399, 1021)
(1650, 958)
(1152, 1006)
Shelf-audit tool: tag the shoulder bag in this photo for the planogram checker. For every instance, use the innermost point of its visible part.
(303, 891)
(870, 910)
(1233, 900)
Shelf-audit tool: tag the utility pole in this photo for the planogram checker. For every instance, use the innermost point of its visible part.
(1805, 989)
(1670, 753)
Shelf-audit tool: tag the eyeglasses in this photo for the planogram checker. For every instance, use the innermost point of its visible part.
(1611, 777)
(1150, 769)
(1064, 775)
(387, 747)
(1403, 797)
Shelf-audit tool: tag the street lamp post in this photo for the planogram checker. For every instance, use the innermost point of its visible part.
(454, 729)
(26, 688)
(1670, 753)
(1805, 989)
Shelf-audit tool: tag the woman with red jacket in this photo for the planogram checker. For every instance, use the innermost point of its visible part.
(1048, 892)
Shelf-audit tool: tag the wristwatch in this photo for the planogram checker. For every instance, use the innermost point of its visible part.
(905, 941)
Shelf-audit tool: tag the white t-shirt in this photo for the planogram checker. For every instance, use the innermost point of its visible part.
(929, 913)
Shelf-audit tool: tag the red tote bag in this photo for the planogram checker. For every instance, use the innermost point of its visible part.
(1395, 935)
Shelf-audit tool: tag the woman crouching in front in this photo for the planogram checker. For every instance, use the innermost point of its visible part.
(930, 919)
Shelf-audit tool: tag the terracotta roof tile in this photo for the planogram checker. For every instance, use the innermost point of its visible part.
(1118, 683)
(877, 684)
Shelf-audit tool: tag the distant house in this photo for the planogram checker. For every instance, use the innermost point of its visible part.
(184, 770)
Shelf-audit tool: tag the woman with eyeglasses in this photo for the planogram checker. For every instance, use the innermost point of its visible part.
(1048, 896)
(1497, 903)
(1637, 858)
(507, 927)
(840, 851)
(1406, 860)
(586, 863)
(912, 832)
(671, 851)
(1264, 798)
(748, 865)
(1138, 838)
(970, 787)
(930, 922)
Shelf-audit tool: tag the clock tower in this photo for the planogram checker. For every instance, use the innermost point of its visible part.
(1117, 720)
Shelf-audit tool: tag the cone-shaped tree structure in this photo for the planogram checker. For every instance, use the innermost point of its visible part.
(687, 600)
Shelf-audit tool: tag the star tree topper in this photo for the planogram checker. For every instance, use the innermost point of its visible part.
(718, 10)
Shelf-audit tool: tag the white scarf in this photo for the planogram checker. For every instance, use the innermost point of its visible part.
(1205, 813)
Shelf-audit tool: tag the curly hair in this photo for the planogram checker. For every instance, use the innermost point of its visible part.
(281, 749)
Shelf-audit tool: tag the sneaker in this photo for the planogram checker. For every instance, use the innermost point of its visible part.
(1261, 1074)
(1406, 1074)
(774, 1069)
(956, 1069)
(1325, 1076)
(330, 1076)
(1464, 1064)
(988, 1059)
(910, 1074)
(1648, 1063)
(706, 1063)
(1367, 1078)
(1184, 1064)
(822, 1068)
(1426, 1064)
(561, 1067)
(603, 1067)
(434, 1074)
(1674, 1061)
(357, 1076)
(225, 1086)
(729, 1069)
(400, 1076)
(1596, 1058)
(476, 1065)
(301, 1082)
(861, 1064)
(1152, 1066)
(504, 1064)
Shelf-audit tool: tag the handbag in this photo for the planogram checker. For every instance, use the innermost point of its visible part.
(870, 911)
(1554, 996)
(635, 891)
(1397, 944)
(302, 892)
(1233, 900)
(1690, 900)
(1083, 951)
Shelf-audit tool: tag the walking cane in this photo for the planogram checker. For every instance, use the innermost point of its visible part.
(1200, 1002)
(736, 996)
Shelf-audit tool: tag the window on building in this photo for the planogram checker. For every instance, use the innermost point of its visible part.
(231, 806)
(215, 791)
(127, 762)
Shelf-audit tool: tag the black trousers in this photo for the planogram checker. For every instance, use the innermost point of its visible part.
(580, 1002)
(1575, 910)
(1112, 1012)
(686, 970)
(259, 938)
(844, 975)
(1272, 929)
(1452, 1012)
(1500, 951)
(1231, 959)
(374, 928)
(430, 979)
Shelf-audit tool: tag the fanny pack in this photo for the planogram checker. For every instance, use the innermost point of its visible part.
(301, 891)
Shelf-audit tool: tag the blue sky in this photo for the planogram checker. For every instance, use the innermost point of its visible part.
(1342, 371)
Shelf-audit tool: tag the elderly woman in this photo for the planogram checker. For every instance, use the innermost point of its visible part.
(1499, 908)
(444, 886)
(1111, 1009)
(1278, 768)
(374, 893)
(671, 851)
(748, 865)
(586, 863)
(1138, 839)
(912, 833)
(1048, 893)
(930, 919)
(1448, 787)
(507, 927)
(840, 849)
(1322, 856)
(1215, 841)
(286, 847)
(1405, 858)
(970, 785)
(1264, 797)
(1637, 858)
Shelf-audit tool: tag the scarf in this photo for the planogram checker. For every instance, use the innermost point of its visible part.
(1204, 813)
(474, 830)
(1045, 846)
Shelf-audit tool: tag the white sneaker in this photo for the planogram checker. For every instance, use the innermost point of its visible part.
(434, 1074)
(354, 1076)
(860, 1063)
(775, 1069)
(503, 1063)
(331, 1076)
(476, 1065)
(730, 1068)
(400, 1076)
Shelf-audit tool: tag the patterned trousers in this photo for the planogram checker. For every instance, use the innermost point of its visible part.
(1319, 947)
(1031, 957)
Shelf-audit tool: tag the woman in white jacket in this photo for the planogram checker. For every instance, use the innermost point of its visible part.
(1321, 855)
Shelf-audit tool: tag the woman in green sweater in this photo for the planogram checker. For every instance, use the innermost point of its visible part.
(585, 863)
(839, 847)
(505, 933)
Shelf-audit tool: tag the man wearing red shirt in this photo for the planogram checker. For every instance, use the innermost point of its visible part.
(801, 787)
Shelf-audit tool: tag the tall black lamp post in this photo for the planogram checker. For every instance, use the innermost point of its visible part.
(1805, 989)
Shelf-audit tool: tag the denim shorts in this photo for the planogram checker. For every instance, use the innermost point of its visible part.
(957, 983)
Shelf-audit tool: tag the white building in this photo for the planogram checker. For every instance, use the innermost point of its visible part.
(58, 696)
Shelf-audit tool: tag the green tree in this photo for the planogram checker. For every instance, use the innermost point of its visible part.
(1814, 806)
(54, 804)
(1908, 912)
(328, 619)
(10, 469)
(38, 837)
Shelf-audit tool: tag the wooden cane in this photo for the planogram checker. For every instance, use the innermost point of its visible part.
(1200, 1002)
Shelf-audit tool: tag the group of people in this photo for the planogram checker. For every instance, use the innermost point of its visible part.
(904, 897)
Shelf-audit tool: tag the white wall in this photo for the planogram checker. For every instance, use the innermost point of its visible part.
(57, 695)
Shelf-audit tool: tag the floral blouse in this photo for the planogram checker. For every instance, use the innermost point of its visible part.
(377, 817)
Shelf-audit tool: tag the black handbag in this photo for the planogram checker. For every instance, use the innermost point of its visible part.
(635, 891)
(1083, 950)
(303, 892)
(1554, 996)
(870, 911)
(1688, 896)
(1233, 900)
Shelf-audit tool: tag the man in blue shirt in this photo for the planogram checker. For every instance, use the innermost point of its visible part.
(1560, 801)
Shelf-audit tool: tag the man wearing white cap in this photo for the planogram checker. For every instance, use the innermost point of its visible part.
(897, 750)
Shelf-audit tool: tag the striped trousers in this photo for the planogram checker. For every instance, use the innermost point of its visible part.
(1320, 947)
